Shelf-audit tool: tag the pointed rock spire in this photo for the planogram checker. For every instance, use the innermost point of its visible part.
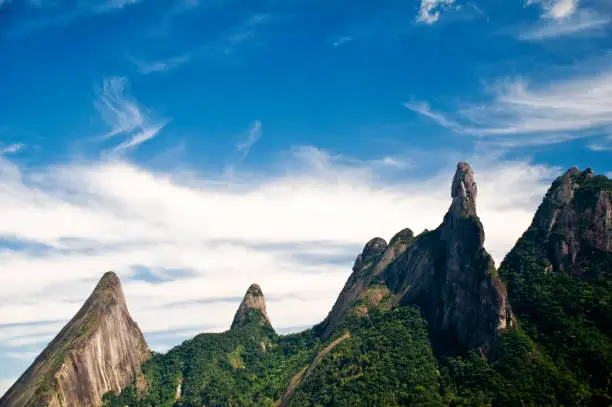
(252, 309)
(101, 349)
(463, 191)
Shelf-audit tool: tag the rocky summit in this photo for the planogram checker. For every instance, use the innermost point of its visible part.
(101, 349)
(252, 309)
(446, 272)
(423, 320)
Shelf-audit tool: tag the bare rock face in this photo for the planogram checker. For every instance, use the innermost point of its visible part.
(575, 219)
(101, 349)
(252, 309)
(376, 255)
(446, 272)
(463, 191)
(450, 276)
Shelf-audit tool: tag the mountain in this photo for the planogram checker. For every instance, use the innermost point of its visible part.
(423, 320)
(559, 278)
(446, 272)
(101, 349)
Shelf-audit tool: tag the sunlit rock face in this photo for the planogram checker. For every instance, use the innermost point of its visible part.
(101, 349)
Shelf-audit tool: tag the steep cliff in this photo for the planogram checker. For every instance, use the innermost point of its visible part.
(559, 279)
(101, 349)
(574, 220)
(446, 272)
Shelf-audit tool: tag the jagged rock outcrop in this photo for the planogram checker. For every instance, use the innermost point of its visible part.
(252, 309)
(446, 272)
(450, 276)
(574, 219)
(375, 257)
(101, 349)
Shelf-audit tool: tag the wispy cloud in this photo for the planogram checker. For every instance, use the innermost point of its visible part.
(429, 12)
(21, 355)
(124, 115)
(244, 147)
(603, 145)
(40, 14)
(559, 9)
(147, 67)
(12, 148)
(582, 22)
(244, 32)
(549, 112)
(341, 41)
(560, 18)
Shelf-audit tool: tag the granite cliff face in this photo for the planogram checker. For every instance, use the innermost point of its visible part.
(101, 349)
(574, 220)
(252, 309)
(446, 272)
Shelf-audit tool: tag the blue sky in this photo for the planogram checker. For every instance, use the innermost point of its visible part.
(198, 146)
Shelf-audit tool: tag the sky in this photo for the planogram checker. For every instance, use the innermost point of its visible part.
(195, 147)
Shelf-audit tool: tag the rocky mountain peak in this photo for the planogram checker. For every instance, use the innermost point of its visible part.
(108, 289)
(374, 248)
(450, 276)
(100, 349)
(575, 218)
(252, 309)
(463, 191)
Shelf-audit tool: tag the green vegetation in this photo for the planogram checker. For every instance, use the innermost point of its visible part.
(387, 361)
(559, 353)
(567, 311)
(248, 366)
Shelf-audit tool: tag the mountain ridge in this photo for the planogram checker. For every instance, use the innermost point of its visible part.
(422, 320)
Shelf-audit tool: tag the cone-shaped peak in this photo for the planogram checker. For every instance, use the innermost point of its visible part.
(100, 349)
(464, 191)
(108, 290)
(252, 309)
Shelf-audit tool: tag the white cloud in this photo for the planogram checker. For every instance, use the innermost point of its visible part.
(341, 41)
(429, 12)
(21, 355)
(161, 65)
(604, 144)
(124, 116)
(5, 384)
(12, 148)
(559, 9)
(203, 242)
(244, 147)
(527, 112)
(582, 22)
